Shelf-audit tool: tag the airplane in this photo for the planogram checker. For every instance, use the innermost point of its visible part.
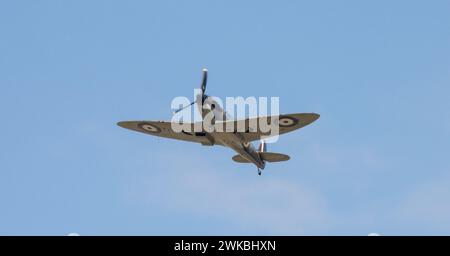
(240, 142)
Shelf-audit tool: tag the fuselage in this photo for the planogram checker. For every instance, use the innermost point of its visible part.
(233, 140)
(245, 149)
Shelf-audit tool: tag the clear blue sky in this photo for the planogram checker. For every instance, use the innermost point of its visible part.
(377, 160)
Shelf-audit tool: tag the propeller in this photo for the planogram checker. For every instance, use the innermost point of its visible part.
(202, 87)
(178, 110)
(204, 80)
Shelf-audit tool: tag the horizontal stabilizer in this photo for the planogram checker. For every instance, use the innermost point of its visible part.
(266, 156)
(240, 159)
(273, 157)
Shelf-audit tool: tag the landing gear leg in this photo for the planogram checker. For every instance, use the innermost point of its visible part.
(259, 171)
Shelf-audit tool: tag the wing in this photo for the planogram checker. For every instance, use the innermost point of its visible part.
(286, 123)
(164, 129)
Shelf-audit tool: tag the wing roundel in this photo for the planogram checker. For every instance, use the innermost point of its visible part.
(164, 129)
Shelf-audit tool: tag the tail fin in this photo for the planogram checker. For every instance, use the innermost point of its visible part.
(270, 157)
(262, 147)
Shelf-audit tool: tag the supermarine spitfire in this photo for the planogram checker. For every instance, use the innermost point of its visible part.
(239, 140)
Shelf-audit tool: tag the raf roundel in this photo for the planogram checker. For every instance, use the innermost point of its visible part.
(149, 128)
(287, 121)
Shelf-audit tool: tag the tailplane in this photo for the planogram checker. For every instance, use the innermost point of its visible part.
(265, 156)
(273, 157)
(240, 159)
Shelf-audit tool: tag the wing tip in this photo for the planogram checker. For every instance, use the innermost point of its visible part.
(121, 124)
(126, 124)
(315, 116)
(305, 118)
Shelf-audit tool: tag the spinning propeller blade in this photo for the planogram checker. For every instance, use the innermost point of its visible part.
(204, 80)
(178, 110)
